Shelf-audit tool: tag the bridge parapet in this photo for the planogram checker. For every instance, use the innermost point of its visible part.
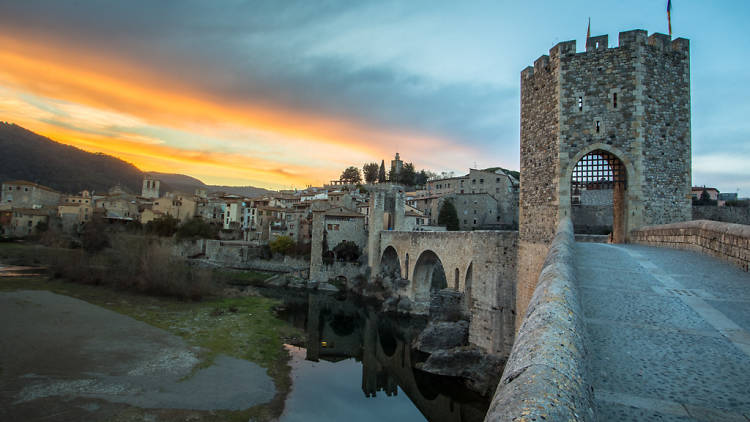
(545, 377)
(727, 241)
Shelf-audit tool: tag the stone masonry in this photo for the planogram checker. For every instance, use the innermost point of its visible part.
(632, 101)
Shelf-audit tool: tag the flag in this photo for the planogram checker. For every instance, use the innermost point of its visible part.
(669, 16)
(588, 32)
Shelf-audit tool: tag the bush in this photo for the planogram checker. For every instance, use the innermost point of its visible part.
(94, 236)
(196, 228)
(136, 263)
(164, 226)
(347, 251)
(282, 245)
(738, 203)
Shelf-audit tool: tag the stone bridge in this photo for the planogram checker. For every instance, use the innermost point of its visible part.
(479, 264)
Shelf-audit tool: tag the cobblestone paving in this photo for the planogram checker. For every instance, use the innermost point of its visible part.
(669, 333)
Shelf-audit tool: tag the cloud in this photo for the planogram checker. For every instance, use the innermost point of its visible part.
(263, 56)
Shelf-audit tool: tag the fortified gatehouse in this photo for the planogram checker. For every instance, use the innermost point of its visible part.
(611, 119)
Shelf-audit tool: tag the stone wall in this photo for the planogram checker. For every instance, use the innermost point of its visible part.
(592, 219)
(727, 241)
(545, 377)
(349, 270)
(736, 215)
(247, 256)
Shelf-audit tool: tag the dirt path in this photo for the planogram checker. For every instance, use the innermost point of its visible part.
(65, 359)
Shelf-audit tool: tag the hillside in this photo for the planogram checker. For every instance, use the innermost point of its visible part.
(28, 156)
(24, 155)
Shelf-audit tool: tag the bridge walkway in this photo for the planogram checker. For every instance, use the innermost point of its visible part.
(669, 333)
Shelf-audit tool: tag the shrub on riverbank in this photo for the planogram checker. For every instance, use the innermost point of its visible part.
(137, 263)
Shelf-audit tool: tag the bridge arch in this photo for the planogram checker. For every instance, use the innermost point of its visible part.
(429, 275)
(600, 169)
(390, 266)
(468, 300)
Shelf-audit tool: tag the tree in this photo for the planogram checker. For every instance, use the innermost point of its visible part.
(164, 226)
(420, 179)
(407, 174)
(282, 245)
(381, 172)
(94, 236)
(448, 216)
(351, 175)
(196, 228)
(370, 171)
(347, 251)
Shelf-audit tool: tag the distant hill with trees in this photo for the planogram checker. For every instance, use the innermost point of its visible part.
(25, 155)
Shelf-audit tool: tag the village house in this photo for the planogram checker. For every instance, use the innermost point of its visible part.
(75, 210)
(27, 221)
(119, 206)
(23, 194)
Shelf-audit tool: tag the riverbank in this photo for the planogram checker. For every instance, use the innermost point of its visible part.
(242, 327)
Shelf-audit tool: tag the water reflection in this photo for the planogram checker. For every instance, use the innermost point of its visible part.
(351, 345)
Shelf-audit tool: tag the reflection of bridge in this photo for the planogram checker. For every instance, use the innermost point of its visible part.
(340, 329)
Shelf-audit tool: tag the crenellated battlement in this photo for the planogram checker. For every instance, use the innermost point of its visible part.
(600, 43)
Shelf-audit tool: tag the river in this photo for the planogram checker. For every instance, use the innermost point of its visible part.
(358, 365)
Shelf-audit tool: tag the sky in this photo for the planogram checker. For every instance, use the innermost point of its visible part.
(288, 94)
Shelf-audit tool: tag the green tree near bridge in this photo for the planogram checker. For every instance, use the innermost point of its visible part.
(448, 216)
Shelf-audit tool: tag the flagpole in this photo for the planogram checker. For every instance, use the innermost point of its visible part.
(669, 16)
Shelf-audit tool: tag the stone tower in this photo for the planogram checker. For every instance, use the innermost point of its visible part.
(150, 187)
(608, 116)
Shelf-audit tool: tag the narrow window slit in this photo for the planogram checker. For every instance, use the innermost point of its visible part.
(614, 100)
(580, 103)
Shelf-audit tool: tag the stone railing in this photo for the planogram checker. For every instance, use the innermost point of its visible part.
(546, 375)
(724, 240)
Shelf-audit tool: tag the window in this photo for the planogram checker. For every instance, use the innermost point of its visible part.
(614, 100)
(580, 103)
(473, 181)
(497, 180)
(497, 190)
(464, 221)
(598, 126)
(475, 211)
(475, 221)
(25, 189)
(481, 181)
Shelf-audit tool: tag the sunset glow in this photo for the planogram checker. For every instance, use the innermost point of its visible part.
(93, 108)
(248, 93)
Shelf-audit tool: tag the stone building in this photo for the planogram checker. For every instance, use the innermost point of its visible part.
(119, 207)
(23, 194)
(396, 166)
(615, 116)
(150, 187)
(26, 221)
(75, 210)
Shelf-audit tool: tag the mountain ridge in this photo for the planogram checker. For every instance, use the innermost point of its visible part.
(29, 156)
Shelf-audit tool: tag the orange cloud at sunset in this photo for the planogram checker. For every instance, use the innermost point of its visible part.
(102, 92)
